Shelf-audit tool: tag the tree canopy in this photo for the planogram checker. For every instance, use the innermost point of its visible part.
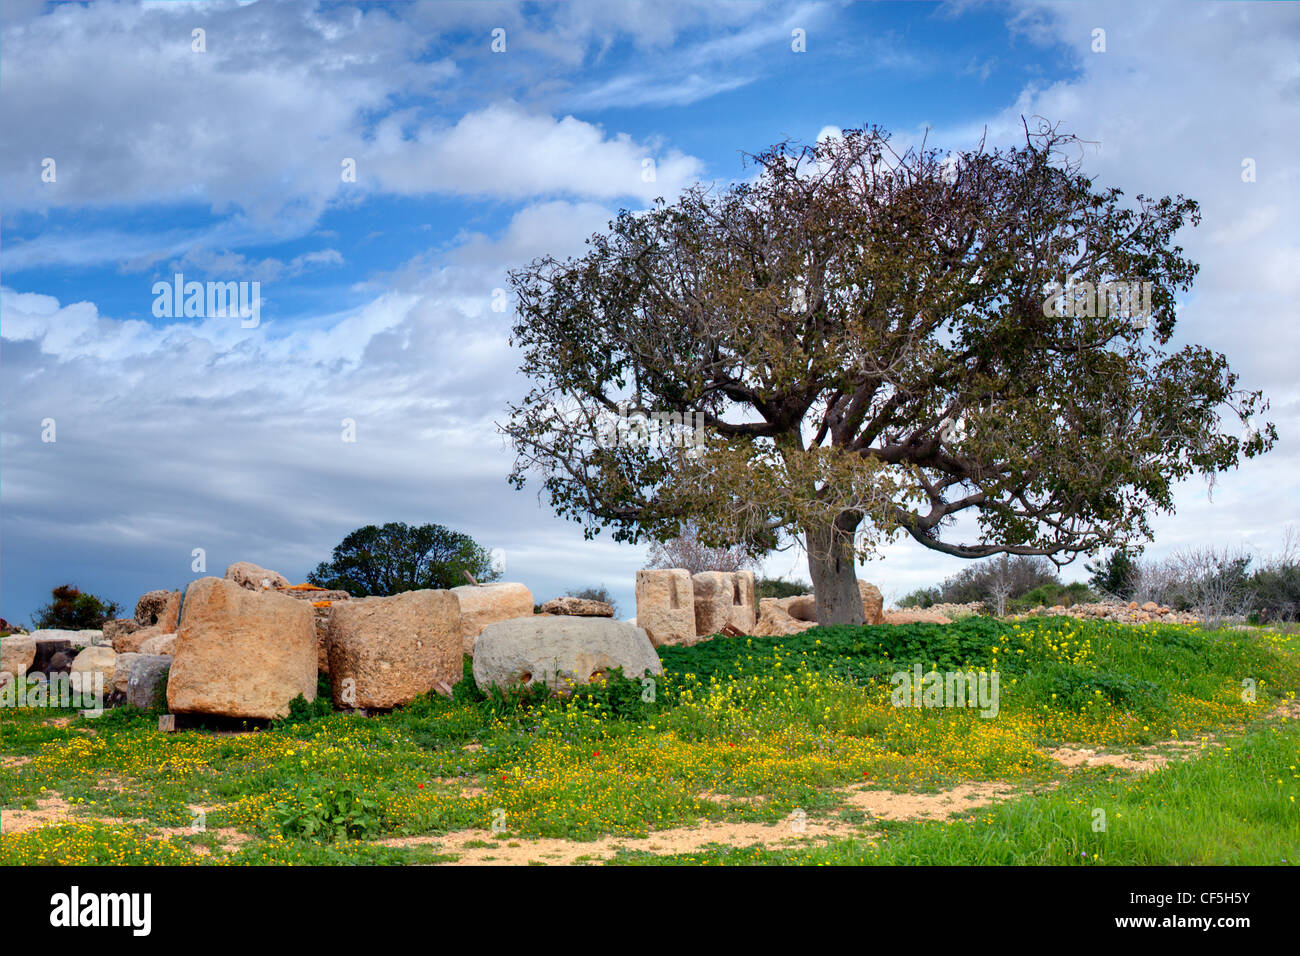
(876, 344)
(74, 610)
(395, 557)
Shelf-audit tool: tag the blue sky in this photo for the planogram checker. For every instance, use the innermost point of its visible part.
(224, 164)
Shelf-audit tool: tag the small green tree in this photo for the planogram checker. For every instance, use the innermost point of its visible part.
(72, 610)
(395, 557)
(1116, 575)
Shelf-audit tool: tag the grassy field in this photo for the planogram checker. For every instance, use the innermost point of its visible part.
(1113, 744)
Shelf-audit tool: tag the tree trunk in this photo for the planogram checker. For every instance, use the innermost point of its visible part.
(830, 562)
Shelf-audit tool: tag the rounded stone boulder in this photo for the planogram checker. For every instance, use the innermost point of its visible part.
(560, 652)
(101, 659)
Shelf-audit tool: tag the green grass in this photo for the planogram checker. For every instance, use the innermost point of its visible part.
(1234, 806)
(785, 719)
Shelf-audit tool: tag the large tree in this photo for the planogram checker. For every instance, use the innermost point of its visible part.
(875, 344)
(395, 557)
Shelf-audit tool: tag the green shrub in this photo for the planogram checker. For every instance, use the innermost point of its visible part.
(621, 697)
(1078, 688)
(72, 610)
(325, 814)
(301, 711)
(1275, 593)
(779, 588)
(922, 598)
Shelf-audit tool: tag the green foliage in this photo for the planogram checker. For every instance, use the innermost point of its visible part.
(1275, 592)
(302, 711)
(922, 598)
(72, 610)
(396, 557)
(1078, 688)
(325, 814)
(1050, 595)
(1117, 575)
(779, 588)
(623, 698)
(859, 654)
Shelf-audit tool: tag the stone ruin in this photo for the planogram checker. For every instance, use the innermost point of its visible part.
(678, 608)
(245, 645)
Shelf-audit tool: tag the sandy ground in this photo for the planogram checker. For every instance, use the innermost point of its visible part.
(506, 850)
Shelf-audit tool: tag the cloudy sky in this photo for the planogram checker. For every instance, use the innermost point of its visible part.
(228, 164)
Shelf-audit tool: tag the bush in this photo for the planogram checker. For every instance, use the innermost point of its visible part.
(301, 711)
(1050, 595)
(779, 588)
(922, 597)
(1015, 576)
(1275, 593)
(72, 610)
(328, 813)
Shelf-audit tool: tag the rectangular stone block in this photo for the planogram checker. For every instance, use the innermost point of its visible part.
(665, 605)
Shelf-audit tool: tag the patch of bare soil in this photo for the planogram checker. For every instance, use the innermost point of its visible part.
(1289, 709)
(8, 762)
(50, 809)
(1158, 755)
(727, 800)
(227, 837)
(793, 831)
(887, 805)
(519, 851)
(1086, 757)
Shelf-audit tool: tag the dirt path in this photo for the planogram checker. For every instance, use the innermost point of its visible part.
(482, 847)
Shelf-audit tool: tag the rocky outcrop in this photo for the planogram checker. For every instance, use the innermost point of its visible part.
(665, 606)
(47, 651)
(386, 651)
(255, 577)
(778, 617)
(1131, 613)
(484, 604)
(576, 607)
(916, 616)
(122, 672)
(157, 613)
(560, 652)
(241, 653)
(873, 603)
